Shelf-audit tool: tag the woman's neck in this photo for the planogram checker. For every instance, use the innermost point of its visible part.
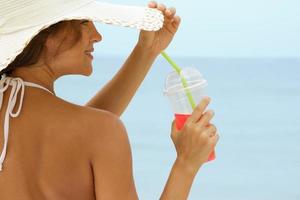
(39, 75)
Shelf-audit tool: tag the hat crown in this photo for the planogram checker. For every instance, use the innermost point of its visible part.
(16, 15)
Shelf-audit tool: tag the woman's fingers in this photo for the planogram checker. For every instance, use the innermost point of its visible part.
(174, 131)
(211, 130)
(152, 4)
(214, 139)
(198, 111)
(206, 117)
(170, 12)
(161, 7)
(177, 19)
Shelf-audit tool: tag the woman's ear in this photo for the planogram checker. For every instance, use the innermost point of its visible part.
(52, 45)
(49, 45)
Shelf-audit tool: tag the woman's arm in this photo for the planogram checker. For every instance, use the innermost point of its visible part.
(179, 182)
(111, 158)
(193, 145)
(118, 92)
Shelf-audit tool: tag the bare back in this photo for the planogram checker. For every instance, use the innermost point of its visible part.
(47, 155)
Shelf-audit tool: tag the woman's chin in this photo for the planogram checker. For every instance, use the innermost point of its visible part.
(88, 71)
(84, 69)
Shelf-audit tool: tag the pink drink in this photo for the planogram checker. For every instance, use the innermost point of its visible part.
(180, 119)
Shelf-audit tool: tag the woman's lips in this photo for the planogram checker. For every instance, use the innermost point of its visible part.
(89, 55)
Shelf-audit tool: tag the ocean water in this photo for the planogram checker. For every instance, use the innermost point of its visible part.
(256, 101)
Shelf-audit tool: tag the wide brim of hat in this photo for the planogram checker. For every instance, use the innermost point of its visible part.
(142, 18)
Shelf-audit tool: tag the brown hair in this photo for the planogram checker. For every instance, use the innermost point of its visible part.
(32, 52)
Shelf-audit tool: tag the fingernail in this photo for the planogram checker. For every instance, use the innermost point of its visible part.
(207, 98)
(210, 112)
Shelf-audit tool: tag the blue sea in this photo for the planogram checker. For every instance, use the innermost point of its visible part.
(257, 106)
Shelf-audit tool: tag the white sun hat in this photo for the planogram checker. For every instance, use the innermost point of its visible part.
(21, 20)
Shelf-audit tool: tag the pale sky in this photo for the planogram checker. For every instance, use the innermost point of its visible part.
(220, 28)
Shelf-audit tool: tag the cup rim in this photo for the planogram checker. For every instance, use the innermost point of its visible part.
(166, 92)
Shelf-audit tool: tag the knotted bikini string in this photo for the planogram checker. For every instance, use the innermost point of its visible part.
(17, 84)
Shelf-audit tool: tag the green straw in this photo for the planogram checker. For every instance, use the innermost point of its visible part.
(183, 80)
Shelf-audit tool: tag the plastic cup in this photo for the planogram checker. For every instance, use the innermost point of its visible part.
(178, 94)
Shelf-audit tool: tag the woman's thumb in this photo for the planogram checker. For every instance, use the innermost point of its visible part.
(174, 131)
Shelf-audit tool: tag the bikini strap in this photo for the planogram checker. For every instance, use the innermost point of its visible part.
(17, 85)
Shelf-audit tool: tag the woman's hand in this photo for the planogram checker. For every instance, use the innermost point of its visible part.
(157, 41)
(197, 139)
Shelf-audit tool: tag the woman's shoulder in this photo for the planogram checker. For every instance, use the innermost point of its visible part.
(101, 131)
(88, 119)
(100, 134)
(93, 128)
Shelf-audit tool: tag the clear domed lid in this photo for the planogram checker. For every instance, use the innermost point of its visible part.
(192, 76)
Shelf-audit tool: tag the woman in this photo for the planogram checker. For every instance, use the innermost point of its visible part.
(59, 150)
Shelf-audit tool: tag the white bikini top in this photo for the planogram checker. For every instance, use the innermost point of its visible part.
(17, 84)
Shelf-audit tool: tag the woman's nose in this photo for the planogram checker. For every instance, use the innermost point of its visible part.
(96, 36)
